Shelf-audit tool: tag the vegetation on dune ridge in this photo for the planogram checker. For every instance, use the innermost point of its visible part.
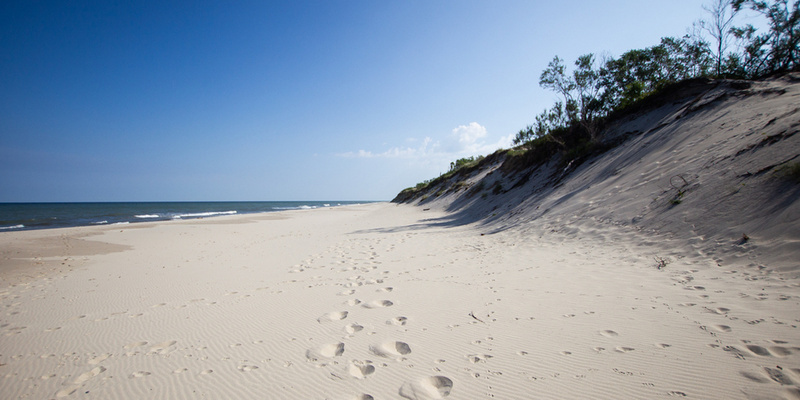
(459, 168)
(594, 94)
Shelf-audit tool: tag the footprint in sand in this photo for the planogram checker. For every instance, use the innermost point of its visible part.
(386, 289)
(353, 328)
(609, 334)
(139, 374)
(779, 351)
(476, 358)
(735, 352)
(721, 328)
(80, 380)
(758, 350)
(162, 348)
(377, 304)
(89, 375)
(333, 316)
(134, 344)
(623, 349)
(346, 292)
(436, 387)
(361, 369)
(778, 376)
(390, 349)
(399, 321)
(329, 350)
(67, 391)
(99, 359)
(663, 345)
(15, 330)
(754, 377)
(353, 302)
(246, 368)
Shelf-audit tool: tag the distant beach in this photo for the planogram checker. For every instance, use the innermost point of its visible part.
(25, 216)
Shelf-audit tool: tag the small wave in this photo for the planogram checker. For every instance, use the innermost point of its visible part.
(203, 214)
(296, 208)
(147, 216)
(121, 223)
(326, 205)
(100, 222)
(20, 226)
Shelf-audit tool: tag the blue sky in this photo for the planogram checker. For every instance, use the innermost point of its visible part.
(291, 100)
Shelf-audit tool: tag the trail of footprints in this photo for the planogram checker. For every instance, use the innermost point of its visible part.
(770, 351)
(326, 354)
(130, 349)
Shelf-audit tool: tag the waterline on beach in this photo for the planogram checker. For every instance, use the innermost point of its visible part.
(25, 216)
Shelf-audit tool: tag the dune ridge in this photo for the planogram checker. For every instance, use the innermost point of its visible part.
(703, 163)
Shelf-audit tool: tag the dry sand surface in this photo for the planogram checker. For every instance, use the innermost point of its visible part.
(385, 301)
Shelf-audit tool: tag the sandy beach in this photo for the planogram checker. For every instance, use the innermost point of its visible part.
(384, 301)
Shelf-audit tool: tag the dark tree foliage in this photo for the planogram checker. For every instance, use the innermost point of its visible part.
(638, 73)
(777, 50)
(579, 90)
(462, 162)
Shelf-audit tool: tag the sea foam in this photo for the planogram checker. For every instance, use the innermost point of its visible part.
(203, 214)
(296, 208)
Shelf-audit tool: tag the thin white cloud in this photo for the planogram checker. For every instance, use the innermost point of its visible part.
(427, 147)
(463, 141)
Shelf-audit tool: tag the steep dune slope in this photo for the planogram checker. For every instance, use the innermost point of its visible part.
(702, 168)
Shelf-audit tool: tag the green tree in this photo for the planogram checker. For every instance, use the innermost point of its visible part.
(587, 85)
(555, 78)
(546, 122)
(639, 72)
(777, 50)
(721, 13)
(579, 89)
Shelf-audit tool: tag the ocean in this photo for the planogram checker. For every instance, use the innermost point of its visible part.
(24, 216)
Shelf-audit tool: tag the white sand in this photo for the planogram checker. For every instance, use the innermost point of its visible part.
(388, 301)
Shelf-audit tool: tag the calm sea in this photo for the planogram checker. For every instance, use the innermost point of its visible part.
(21, 216)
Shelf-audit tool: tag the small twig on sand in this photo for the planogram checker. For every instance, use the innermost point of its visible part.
(471, 314)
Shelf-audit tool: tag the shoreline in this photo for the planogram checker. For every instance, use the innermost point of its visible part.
(32, 253)
(53, 215)
(389, 301)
